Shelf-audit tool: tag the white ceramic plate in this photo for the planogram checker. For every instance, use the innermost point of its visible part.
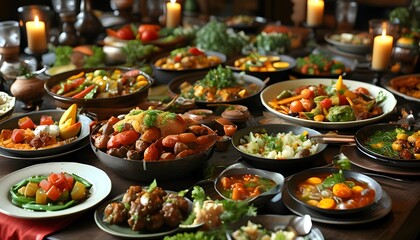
(388, 86)
(101, 187)
(348, 47)
(7, 104)
(271, 92)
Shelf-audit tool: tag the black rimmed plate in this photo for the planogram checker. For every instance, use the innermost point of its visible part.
(174, 87)
(362, 160)
(378, 211)
(124, 231)
(300, 177)
(12, 123)
(363, 135)
(276, 164)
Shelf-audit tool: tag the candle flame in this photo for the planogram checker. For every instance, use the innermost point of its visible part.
(36, 19)
(384, 32)
(173, 1)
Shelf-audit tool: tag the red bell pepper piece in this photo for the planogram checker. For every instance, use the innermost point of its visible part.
(83, 93)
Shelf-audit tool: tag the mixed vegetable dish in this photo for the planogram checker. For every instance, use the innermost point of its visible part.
(47, 133)
(255, 62)
(187, 58)
(399, 143)
(242, 187)
(320, 64)
(278, 146)
(52, 192)
(219, 85)
(329, 103)
(101, 83)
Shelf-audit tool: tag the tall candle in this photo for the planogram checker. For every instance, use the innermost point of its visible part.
(382, 49)
(315, 12)
(173, 14)
(37, 39)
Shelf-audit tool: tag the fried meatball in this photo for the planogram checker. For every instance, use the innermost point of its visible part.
(115, 213)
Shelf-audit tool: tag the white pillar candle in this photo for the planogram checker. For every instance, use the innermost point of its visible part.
(173, 14)
(382, 49)
(37, 38)
(315, 12)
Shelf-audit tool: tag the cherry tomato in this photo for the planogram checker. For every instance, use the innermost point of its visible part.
(149, 35)
(308, 104)
(18, 135)
(306, 93)
(326, 103)
(195, 51)
(296, 106)
(125, 33)
(148, 27)
(46, 120)
(25, 123)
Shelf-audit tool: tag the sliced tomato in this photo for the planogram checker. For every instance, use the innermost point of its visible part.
(46, 120)
(26, 122)
(58, 180)
(53, 193)
(18, 135)
(70, 181)
(45, 184)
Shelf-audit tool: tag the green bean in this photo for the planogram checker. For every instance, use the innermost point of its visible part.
(25, 181)
(19, 199)
(82, 180)
(48, 207)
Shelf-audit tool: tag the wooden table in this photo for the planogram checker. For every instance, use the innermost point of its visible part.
(401, 223)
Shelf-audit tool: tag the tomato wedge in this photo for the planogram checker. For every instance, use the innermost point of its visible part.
(45, 184)
(25, 123)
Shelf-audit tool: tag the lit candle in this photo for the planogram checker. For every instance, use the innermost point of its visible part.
(173, 14)
(382, 49)
(37, 39)
(315, 12)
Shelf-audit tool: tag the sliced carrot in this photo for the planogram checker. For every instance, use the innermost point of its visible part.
(290, 99)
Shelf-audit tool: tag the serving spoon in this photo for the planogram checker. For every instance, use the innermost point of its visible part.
(301, 226)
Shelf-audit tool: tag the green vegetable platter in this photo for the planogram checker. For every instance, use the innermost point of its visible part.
(307, 108)
(17, 199)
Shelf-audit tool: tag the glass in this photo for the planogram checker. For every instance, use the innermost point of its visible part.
(345, 12)
(9, 34)
(28, 13)
(61, 6)
(377, 25)
(10, 66)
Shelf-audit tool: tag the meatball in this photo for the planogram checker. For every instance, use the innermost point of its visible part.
(138, 216)
(171, 214)
(115, 213)
(132, 194)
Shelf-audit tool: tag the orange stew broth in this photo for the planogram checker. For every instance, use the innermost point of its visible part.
(242, 187)
(341, 196)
